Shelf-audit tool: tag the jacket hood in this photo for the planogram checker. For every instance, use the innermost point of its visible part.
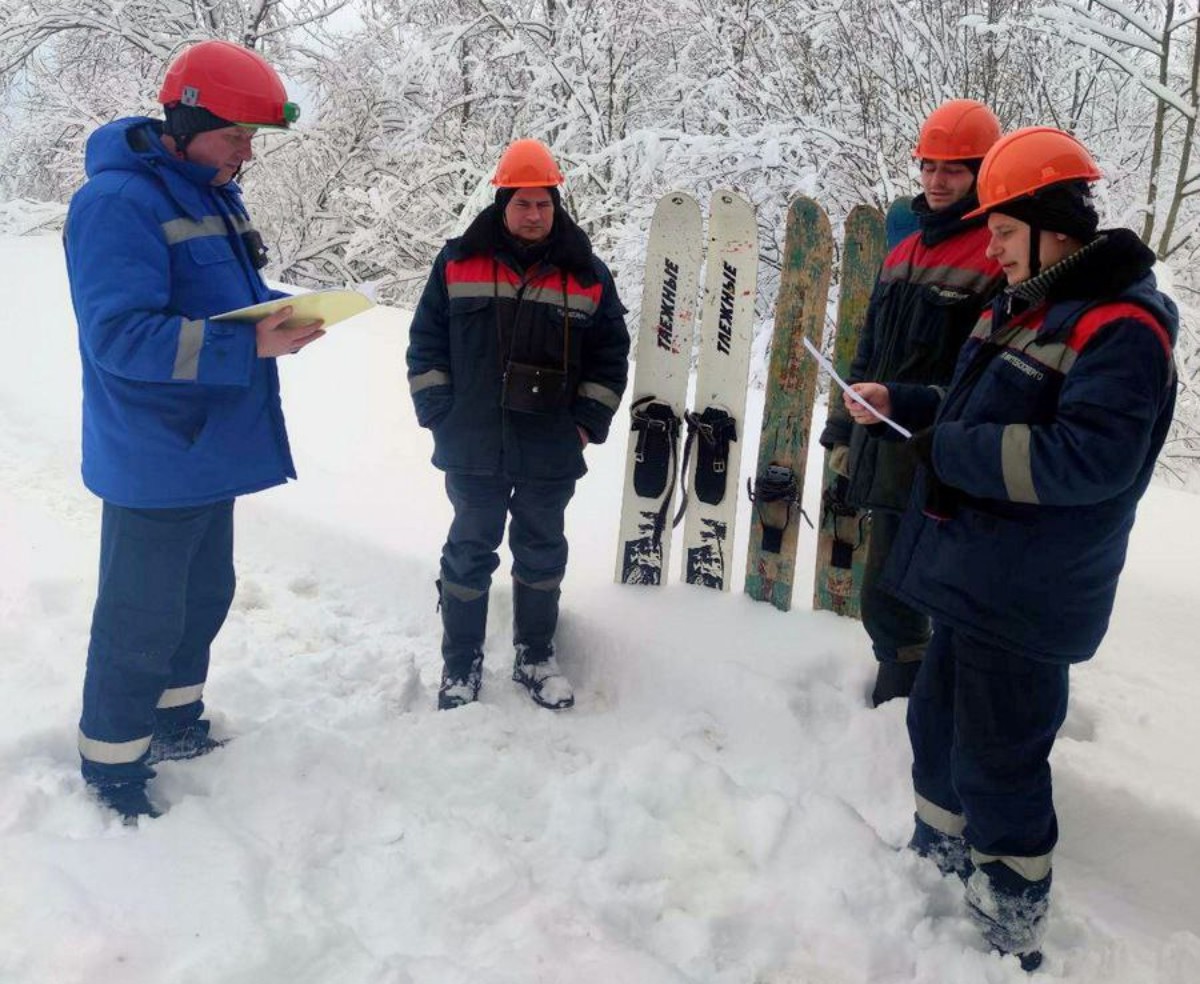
(1117, 266)
(937, 227)
(134, 145)
(568, 247)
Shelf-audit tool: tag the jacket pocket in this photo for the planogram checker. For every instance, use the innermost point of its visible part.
(472, 337)
(209, 250)
(942, 321)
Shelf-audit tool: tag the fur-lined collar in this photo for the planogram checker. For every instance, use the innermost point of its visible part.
(568, 248)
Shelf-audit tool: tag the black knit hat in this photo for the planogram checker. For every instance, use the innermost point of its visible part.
(186, 121)
(1065, 208)
(504, 196)
(972, 164)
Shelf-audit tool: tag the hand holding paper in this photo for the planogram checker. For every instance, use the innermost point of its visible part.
(853, 396)
(280, 333)
(328, 306)
(867, 403)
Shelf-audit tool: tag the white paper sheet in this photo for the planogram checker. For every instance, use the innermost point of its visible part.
(826, 365)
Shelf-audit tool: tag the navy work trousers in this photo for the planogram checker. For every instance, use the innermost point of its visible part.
(166, 584)
(536, 537)
(899, 633)
(982, 720)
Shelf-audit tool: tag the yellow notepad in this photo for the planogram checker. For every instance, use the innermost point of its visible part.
(330, 306)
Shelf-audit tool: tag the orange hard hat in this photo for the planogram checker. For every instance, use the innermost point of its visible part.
(959, 130)
(1027, 160)
(527, 164)
(231, 82)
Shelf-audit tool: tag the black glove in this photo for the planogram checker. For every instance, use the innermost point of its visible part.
(921, 445)
(941, 500)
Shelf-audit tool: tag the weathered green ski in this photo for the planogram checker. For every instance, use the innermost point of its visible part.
(843, 532)
(787, 414)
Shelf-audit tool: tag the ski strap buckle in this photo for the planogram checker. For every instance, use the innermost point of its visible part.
(776, 485)
(717, 429)
(655, 453)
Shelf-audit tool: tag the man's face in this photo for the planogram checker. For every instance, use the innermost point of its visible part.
(529, 214)
(1009, 246)
(945, 182)
(226, 149)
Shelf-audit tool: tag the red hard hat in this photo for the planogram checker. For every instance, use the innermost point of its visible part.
(960, 130)
(231, 82)
(1027, 160)
(527, 164)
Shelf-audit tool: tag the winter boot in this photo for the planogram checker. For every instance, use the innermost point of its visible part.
(894, 679)
(535, 617)
(1010, 911)
(128, 799)
(189, 743)
(464, 626)
(949, 853)
(460, 685)
(543, 679)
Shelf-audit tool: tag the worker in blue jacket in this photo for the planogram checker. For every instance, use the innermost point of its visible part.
(1038, 453)
(517, 359)
(181, 414)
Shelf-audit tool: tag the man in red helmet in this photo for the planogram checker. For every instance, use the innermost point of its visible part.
(517, 359)
(181, 414)
(929, 293)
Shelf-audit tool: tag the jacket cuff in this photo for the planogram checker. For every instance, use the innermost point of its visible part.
(432, 403)
(837, 431)
(594, 418)
(219, 353)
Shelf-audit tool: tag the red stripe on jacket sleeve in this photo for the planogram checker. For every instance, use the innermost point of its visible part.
(1099, 317)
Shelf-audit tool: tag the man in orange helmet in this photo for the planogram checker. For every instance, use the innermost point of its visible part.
(1038, 453)
(181, 414)
(930, 292)
(517, 359)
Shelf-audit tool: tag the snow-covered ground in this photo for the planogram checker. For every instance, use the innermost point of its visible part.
(721, 806)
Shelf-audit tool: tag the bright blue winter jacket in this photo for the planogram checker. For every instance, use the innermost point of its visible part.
(1043, 444)
(178, 410)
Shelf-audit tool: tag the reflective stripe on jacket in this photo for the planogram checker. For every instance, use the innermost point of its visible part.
(929, 294)
(177, 409)
(477, 317)
(1046, 440)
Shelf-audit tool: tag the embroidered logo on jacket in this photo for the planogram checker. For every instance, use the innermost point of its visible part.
(1023, 367)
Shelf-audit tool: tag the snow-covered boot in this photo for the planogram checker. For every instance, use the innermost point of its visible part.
(464, 627)
(1010, 910)
(541, 676)
(951, 854)
(460, 684)
(188, 743)
(535, 617)
(129, 799)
